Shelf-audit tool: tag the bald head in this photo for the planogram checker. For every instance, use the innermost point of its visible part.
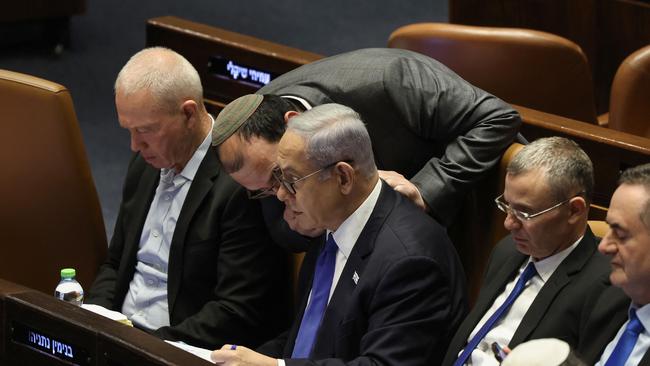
(168, 76)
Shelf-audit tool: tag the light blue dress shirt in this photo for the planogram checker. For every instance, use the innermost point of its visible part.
(642, 343)
(146, 302)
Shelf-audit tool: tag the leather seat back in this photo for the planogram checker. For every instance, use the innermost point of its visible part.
(50, 216)
(629, 104)
(531, 68)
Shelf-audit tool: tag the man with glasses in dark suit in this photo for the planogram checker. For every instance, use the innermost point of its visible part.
(386, 287)
(542, 278)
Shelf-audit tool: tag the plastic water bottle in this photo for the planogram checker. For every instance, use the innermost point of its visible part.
(69, 289)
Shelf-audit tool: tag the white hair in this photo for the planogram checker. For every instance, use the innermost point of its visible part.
(168, 76)
(334, 133)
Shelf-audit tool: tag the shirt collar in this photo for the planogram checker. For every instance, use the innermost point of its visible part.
(192, 166)
(348, 233)
(548, 265)
(302, 101)
(643, 313)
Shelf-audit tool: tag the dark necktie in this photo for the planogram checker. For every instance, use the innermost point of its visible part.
(627, 341)
(320, 290)
(526, 275)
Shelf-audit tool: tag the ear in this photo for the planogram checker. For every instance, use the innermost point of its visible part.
(289, 115)
(345, 176)
(190, 109)
(578, 209)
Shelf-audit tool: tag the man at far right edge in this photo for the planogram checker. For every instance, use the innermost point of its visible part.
(543, 278)
(628, 244)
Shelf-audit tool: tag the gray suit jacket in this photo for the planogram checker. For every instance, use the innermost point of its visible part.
(424, 120)
(563, 307)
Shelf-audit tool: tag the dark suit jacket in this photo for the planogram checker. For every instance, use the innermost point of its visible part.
(608, 314)
(424, 120)
(226, 279)
(408, 301)
(562, 307)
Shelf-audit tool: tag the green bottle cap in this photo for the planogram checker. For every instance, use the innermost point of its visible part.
(68, 273)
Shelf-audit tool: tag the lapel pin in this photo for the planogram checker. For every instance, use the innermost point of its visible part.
(355, 277)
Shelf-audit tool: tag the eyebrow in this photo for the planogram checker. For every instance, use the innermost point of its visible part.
(615, 226)
(287, 170)
(519, 206)
(146, 125)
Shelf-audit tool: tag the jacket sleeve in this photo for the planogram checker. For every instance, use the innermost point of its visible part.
(475, 127)
(249, 301)
(103, 289)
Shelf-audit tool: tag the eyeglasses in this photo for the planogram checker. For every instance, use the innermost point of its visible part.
(290, 186)
(267, 192)
(525, 216)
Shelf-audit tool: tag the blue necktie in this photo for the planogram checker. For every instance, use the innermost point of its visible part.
(320, 291)
(627, 341)
(526, 275)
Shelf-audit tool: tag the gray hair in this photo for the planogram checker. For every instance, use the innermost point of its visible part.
(566, 167)
(334, 133)
(639, 175)
(168, 76)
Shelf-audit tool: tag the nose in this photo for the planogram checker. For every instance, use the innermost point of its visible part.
(607, 244)
(136, 143)
(275, 188)
(282, 193)
(511, 222)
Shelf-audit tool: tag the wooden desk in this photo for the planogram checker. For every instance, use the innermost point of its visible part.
(73, 332)
(203, 44)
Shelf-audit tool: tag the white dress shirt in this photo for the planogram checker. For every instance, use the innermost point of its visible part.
(346, 236)
(505, 327)
(146, 302)
(642, 343)
(302, 101)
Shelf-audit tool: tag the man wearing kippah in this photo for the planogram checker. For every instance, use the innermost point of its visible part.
(434, 134)
(190, 258)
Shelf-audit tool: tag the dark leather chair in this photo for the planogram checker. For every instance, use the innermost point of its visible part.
(530, 68)
(50, 217)
(629, 103)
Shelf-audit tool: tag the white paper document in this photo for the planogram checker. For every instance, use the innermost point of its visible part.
(196, 351)
(110, 314)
